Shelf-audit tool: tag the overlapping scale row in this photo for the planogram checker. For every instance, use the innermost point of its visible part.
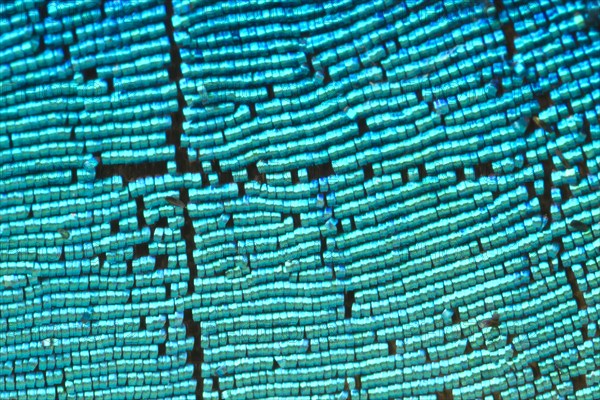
(268, 200)
(399, 157)
(92, 286)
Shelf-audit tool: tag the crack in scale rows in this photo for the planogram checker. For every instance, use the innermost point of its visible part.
(195, 357)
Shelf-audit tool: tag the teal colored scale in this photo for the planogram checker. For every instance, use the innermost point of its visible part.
(349, 199)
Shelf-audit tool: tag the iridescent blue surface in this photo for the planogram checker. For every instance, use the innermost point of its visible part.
(298, 199)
